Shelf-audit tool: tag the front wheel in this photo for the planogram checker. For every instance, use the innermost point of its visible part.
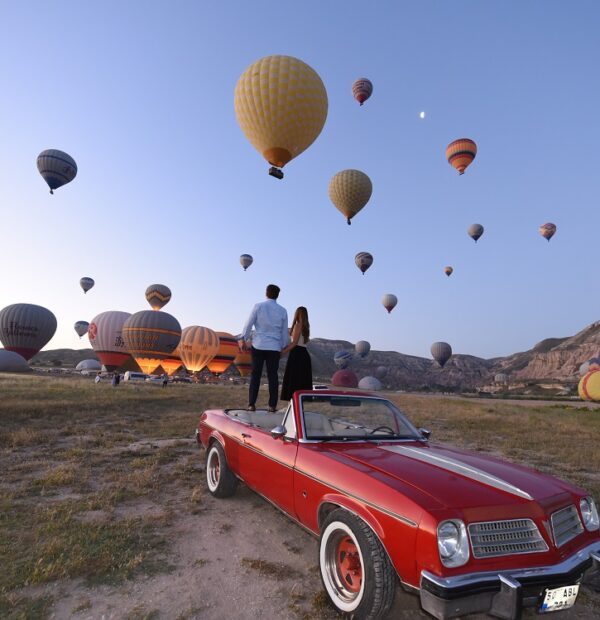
(220, 479)
(355, 568)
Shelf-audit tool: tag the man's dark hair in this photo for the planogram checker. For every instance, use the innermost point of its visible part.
(273, 291)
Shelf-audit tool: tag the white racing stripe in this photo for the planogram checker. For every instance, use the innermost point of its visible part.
(458, 468)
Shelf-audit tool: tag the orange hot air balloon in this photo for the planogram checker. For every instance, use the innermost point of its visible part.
(197, 347)
(461, 153)
(243, 362)
(228, 349)
(171, 364)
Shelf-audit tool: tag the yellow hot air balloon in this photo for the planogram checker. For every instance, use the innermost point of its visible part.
(197, 347)
(281, 105)
(350, 190)
(228, 349)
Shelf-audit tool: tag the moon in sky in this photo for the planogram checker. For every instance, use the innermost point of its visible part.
(422, 115)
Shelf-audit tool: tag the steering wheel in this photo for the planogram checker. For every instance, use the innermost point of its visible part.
(383, 428)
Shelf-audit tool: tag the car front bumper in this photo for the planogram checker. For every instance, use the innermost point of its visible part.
(502, 594)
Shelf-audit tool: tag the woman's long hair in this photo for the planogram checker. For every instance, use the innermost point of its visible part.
(301, 316)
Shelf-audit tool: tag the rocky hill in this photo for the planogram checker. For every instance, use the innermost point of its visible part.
(555, 360)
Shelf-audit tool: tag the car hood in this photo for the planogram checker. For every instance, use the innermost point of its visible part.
(451, 477)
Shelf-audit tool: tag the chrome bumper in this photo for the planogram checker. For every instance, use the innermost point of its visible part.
(502, 594)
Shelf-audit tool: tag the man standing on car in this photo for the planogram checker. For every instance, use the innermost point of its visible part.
(270, 322)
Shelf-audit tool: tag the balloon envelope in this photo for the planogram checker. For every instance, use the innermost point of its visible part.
(246, 260)
(106, 337)
(89, 365)
(342, 358)
(26, 328)
(56, 167)
(448, 271)
(243, 362)
(461, 153)
(362, 348)
(81, 328)
(158, 295)
(12, 362)
(281, 106)
(547, 230)
(372, 384)
(363, 261)
(441, 352)
(381, 372)
(198, 346)
(362, 89)
(389, 301)
(344, 378)
(86, 283)
(475, 231)
(228, 349)
(171, 364)
(350, 190)
(589, 386)
(151, 337)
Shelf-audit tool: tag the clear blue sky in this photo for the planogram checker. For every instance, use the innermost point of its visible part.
(170, 191)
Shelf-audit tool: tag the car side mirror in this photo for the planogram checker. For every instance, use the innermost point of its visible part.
(425, 432)
(278, 432)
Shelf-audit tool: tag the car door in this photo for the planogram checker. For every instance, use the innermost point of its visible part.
(266, 464)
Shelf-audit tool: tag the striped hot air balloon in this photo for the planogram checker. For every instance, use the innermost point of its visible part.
(281, 105)
(362, 348)
(441, 352)
(389, 301)
(56, 167)
(547, 230)
(475, 231)
(228, 349)
(246, 260)
(243, 362)
(198, 346)
(461, 153)
(363, 261)
(589, 386)
(26, 328)
(342, 358)
(151, 337)
(350, 190)
(106, 337)
(171, 364)
(448, 270)
(158, 295)
(362, 89)
(86, 283)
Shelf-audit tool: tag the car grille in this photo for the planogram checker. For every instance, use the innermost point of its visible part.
(565, 525)
(494, 538)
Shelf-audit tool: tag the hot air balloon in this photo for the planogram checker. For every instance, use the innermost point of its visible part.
(228, 349)
(501, 378)
(475, 231)
(448, 270)
(461, 153)
(243, 362)
(350, 190)
(589, 386)
(158, 295)
(371, 384)
(87, 366)
(172, 363)
(12, 362)
(547, 230)
(26, 328)
(381, 372)
(81, 328)
(151, 337)
(106, 337)
(342, 358)
(281, 105)
(389, 302)
(198, 346)
(362, 348)
(441, 352)
(584, 369)
(86, 283)
(246, 260)
(56, 167)
(362, 89)
(363, 261)
(344, 378)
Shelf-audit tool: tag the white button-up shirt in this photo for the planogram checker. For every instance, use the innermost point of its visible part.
(270, 322)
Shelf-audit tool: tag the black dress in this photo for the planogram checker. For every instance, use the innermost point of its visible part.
(298, 372)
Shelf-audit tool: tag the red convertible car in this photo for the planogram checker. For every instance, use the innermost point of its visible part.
(467, 532)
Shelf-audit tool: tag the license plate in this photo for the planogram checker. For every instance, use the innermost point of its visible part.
(559, 598)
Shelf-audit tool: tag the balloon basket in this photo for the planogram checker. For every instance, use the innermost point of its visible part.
(276, 172)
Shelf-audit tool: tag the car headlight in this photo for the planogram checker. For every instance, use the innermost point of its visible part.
(589, 514)
(453, 544)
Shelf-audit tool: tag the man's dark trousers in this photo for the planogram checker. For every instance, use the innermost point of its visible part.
(259, 357)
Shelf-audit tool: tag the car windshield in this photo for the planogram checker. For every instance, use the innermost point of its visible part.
(331, 417)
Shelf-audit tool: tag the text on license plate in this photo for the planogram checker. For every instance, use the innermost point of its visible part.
(559, 598)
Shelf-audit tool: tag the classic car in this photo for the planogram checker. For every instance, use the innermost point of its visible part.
(465, 531)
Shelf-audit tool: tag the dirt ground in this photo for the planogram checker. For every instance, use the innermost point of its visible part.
(105, 514)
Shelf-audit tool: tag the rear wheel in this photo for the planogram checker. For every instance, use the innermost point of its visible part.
(220, 479)
(355, 568)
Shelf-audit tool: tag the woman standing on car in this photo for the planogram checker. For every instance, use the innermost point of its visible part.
(298, 370)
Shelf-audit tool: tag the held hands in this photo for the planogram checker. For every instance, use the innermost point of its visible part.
(242, 346)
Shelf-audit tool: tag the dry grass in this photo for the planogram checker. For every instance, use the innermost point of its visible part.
(276, 570)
